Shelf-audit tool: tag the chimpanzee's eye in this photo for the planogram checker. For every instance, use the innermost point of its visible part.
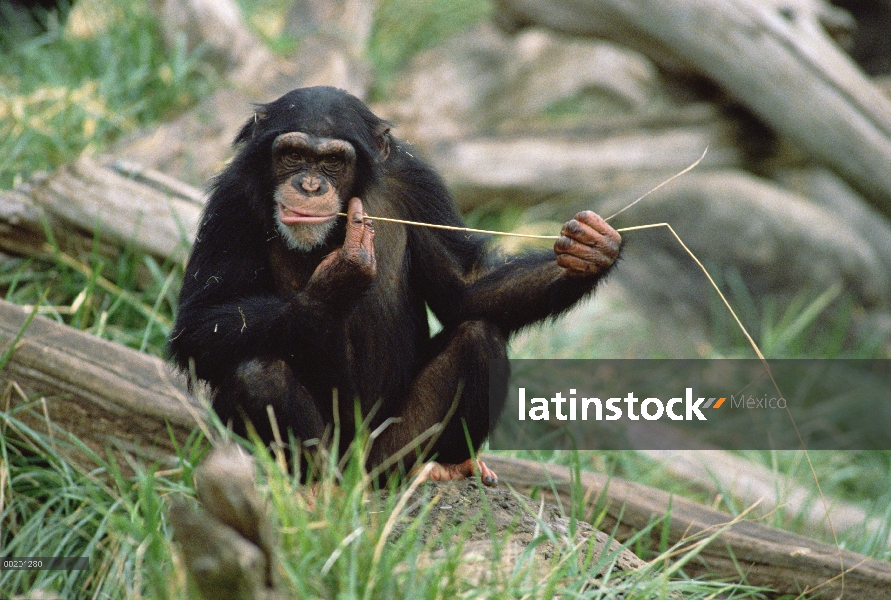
(290, 158)
(329, 162)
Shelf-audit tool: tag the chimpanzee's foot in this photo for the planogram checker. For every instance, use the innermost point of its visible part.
(434, 471)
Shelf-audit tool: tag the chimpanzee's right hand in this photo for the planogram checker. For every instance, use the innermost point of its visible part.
(588, 247)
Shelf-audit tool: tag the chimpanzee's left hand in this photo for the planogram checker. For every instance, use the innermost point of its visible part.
(349, 270)
(589, 245)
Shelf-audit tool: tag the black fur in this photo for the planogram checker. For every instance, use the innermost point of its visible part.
(259, 336)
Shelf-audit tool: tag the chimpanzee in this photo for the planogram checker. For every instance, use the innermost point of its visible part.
(283, 300)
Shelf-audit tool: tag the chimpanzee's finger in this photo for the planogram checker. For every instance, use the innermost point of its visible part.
(579, 231)
(580, 266)
(365, 252)
(587, 227)
(355, 227)
(596, 222)
(367, 243)
(600, 249)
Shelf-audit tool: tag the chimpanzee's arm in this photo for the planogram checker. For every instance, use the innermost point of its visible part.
(523, 290)
(230, 311)
(512, 292)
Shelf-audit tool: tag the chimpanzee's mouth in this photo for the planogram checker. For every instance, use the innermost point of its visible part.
(293, 217)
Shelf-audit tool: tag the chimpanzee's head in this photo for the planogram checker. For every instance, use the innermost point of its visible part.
(321, 147)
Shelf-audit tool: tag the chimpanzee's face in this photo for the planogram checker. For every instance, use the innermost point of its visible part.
(314, 176)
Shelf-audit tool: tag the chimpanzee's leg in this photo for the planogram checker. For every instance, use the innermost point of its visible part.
(460, 365)
(259, 383)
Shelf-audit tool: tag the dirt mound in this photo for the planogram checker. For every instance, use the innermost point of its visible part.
(497, 523)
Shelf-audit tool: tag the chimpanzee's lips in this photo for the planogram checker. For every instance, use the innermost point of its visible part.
(293, 217)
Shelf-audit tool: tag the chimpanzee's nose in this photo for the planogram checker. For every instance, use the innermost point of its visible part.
(310, 184)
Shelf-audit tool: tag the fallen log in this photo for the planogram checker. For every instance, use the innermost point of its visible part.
(113, 397)
(772, 58)
(105, 394)
(127, 205)
(720, 472)
(746, 550)
(530, 168)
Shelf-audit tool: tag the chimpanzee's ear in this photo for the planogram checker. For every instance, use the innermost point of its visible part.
(382, 139)
(250, 128)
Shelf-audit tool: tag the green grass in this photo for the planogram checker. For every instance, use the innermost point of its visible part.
(71, 92)
(64, 95)
(268, 20)
(808, 325)
(402, 28)
(129, 299)
(860, 478)
(51, 508)
(68, 92)
(342, 546)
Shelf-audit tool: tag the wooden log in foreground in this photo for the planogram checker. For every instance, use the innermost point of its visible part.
(111, 396)
(104, 393)
(764, 556)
